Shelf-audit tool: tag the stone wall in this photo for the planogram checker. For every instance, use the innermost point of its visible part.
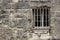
(16, 20)
(55, 20)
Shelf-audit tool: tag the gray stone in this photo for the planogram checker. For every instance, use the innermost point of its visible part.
(16, 20)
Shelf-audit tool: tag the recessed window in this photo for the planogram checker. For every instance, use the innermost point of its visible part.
(41, 16)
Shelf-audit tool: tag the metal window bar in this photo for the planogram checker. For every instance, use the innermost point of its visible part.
(42, 17)
(37, 17)
(47, 17)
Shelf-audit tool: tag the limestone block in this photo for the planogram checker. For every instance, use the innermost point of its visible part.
(21, 5)
(58, 14)
(55, 8)
(14, 0)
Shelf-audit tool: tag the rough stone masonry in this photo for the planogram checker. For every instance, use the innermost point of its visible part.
(16, 20)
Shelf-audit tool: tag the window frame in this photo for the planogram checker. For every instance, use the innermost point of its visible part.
(49, 16)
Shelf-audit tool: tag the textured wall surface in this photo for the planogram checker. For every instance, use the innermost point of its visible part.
(16, 20)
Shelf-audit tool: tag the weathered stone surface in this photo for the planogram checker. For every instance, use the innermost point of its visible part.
(6, 34)
(16, 20)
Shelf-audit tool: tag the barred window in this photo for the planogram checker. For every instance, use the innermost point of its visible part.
(41, 16)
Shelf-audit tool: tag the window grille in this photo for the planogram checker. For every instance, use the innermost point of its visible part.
(41, 16)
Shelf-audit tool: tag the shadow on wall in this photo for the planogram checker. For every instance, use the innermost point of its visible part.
(53, 39)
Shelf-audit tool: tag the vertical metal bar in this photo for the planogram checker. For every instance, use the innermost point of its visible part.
(46, 17)
(42, 17)
(37, 17)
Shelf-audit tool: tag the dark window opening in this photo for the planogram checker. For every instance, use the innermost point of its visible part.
(41, 16)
